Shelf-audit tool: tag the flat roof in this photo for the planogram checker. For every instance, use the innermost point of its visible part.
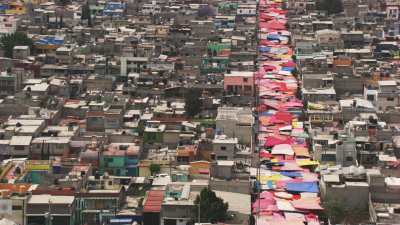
(20, 140)
(55, 140)
(239, 74)
(333, 178)
(46, 199)
(225, 163)
(387, 83)
(237, 202)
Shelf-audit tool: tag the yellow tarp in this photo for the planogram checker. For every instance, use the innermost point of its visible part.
(307, 162)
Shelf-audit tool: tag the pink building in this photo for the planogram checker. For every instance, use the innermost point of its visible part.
(239, 83)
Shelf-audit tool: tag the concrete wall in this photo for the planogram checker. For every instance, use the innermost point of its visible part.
(353, 85)
(177, 211)
(353, 196)
(222, 172)
(229, 152)
(237, 186)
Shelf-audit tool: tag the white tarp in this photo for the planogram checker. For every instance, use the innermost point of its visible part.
(392, 182)
(282, 149)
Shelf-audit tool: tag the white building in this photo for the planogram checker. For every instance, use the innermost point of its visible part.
(8, 24)
(235, 122)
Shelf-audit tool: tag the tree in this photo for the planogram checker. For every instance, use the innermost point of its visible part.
(64, 2)
(331, 6)
(9, 41)
(212, 208)
(154, 169)
(337, 211)
(193, 102)
(205, 11)
(85, 14)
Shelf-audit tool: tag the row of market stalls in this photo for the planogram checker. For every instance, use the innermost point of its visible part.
(287, 187)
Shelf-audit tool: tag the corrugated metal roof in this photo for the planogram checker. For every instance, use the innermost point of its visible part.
(153, 201)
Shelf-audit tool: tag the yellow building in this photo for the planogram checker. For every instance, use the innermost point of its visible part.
(35, 2)
(15, 8)
(144, 167)
(199, 167)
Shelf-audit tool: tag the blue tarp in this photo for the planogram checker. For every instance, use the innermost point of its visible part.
(299, 187)
(265, 113)
(257, 185)
(270, 184)
(291, 174)
(114, 9)
(50, 40)
(3, 7)
(273, 37)
(114, 6)
(264, 49)
(290, 69)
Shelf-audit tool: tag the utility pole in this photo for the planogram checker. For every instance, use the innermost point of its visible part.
(199, 210)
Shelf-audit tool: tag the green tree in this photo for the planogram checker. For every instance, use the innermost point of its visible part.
(212, 208)
(9, 41)
(193, 102)
(64, 2)
(331, 6)
(85, 14)
(337, 211)
(154, 169)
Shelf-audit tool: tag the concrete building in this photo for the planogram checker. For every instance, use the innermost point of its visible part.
(224, 148)
(57, 209)
(239, 83)
(21, 52)
(178, 206)
(133, 65)
(235, 122)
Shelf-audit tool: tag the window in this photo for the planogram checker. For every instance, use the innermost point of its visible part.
(328, 157)
(245, 80)
(247, 88)
(19, 148)
(390, 99)
(223, 148)
(16, 207)
(222, 157)
(349, 158)
(370, 97)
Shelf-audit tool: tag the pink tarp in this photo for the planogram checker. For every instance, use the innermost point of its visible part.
(264, 205)
(276, 140)
(284, 116)
(289, 64)
(291, 166)
(264, 154)
(277, 87)
(282, 149)
(307, 204)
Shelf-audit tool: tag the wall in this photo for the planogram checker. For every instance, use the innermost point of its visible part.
(51, 148)
(243, 133)
(354, 196)
(353, 85)
(227, 127)
(222, 172)
(242, 186)
(171, 138)
(177, 211)
(229, 152)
